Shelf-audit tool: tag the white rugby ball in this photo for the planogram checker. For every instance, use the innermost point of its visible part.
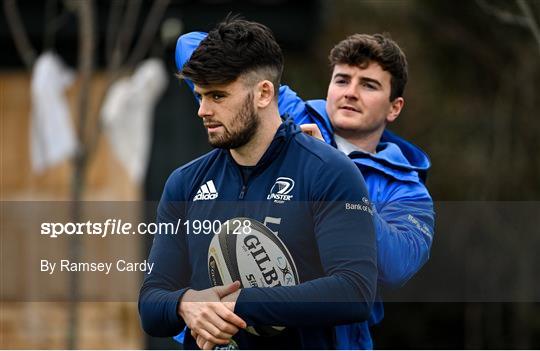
(247, 251)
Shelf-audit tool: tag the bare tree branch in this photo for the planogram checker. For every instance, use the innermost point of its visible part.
(85, 11)
(48, 32)
(20, 37)
(86, 60)
(502, 15)
(149, 31)
(112, 27)
(125, 36)
(529, 17)
(53, 22)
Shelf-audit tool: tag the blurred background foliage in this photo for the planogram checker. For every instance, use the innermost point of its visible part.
(471, 103)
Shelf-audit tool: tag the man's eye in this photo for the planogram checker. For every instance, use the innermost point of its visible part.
(217, 97)
(369, 86)
(340, 81)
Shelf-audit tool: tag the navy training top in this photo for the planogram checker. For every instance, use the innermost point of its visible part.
(325, 221)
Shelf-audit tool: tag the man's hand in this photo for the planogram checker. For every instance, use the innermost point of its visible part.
(208, 317)
(202, 342)
(230, 302)
(313, 130)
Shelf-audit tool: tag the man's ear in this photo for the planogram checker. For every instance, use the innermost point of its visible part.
(264, 93)
(395, 109)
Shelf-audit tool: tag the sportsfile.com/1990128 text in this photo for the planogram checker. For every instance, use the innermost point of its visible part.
(120, 227)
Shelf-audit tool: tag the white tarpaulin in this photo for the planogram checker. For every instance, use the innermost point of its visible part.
(52, 138)
(127, 115)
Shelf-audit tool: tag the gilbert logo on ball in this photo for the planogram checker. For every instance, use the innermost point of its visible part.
(253, 255)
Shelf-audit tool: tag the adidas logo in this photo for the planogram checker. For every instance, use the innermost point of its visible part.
(207, 191)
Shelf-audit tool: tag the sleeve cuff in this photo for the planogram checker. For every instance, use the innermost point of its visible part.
(174, 304)
(241, 307)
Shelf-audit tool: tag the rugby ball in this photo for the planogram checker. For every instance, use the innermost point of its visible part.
(246, 250)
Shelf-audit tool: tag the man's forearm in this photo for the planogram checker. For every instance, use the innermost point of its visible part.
(404, 238)
(333, 297)
(158, 311)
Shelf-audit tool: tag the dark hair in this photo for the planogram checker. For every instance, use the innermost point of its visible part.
(361, 49)
(233, 48)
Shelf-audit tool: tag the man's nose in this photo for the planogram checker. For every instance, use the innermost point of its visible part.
(204, 109)
(351, 92)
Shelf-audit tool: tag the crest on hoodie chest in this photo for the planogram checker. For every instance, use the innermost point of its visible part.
(281, 190)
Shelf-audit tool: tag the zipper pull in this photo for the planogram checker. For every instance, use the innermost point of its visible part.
(242, 192)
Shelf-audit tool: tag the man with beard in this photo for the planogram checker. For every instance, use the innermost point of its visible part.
(323, 221)
(369, 74)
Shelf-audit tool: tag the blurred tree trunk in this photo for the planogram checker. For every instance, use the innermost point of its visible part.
(89, 129)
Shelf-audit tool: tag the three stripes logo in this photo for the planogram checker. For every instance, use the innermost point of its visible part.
(207, 191)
